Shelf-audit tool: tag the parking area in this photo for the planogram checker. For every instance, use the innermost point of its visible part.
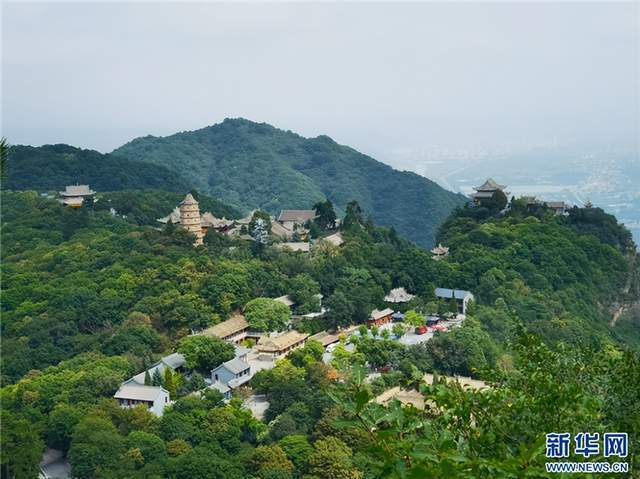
(410, 337)
(258, 364)
(257, 404)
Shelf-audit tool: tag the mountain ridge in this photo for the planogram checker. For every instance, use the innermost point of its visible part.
(51, 167)
(255, 165)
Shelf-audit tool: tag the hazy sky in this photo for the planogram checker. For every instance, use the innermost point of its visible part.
(379, 76)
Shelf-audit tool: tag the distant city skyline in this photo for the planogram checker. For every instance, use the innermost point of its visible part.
(382, 78)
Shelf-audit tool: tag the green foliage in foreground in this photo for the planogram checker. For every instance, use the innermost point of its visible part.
(251, 165)
(324, 423)
(497, 432)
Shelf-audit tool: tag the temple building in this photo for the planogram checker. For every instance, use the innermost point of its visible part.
(559, 207)
(230, 375)
(221, 225)
(297, 246)
(74, 195)
(187, 214)
(233, 329)
(378, 318)
(486, 191)
(398, 295)
(279, 346)
(335, 239)
(440, 252)
(293, 219)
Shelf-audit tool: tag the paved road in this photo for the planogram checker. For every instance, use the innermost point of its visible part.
(54, 465)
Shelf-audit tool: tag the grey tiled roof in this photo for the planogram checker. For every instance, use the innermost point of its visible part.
(138, 392)
(174, 360)
(298, 216)
(235, 365)
(77, 190)
(449, 293)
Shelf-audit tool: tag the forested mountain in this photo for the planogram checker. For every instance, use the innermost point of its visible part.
(51, 167)
(89, 299)
(254, 165)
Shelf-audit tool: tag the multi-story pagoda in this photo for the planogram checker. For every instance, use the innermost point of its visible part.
(190, 218)
(486, 191)
(74, 195)
(187, 214)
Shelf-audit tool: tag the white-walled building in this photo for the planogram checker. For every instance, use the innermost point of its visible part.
(462, 297)
(131, 394)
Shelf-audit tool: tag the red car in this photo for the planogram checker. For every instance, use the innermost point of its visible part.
(421, 329)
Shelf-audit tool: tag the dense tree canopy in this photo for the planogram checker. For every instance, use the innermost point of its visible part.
(254, 165)
(266, 314)
(326, 215)
(51, 167)
(89, 299)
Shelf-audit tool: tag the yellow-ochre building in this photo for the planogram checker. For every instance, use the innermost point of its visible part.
(190, 218)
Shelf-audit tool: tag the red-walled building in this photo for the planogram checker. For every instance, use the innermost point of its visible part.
(380, 317)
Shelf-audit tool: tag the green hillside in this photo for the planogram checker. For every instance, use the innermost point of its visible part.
(252, 165)
(51, 167)
(89, 299)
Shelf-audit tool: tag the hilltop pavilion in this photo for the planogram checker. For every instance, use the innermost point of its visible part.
(486, 190)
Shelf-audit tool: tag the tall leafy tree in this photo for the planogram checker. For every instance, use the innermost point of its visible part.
(332, 459)
(21, 449)
(326, 215)
(305, 293)
(204, 352)
(96, 446)
(169, 383)
(4, 157)
(354, 216)
(341, 310)
(156, 379)
(266, 314)
(267, 460)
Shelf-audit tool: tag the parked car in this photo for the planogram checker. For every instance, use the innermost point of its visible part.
(431, 320)
(421, 330)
